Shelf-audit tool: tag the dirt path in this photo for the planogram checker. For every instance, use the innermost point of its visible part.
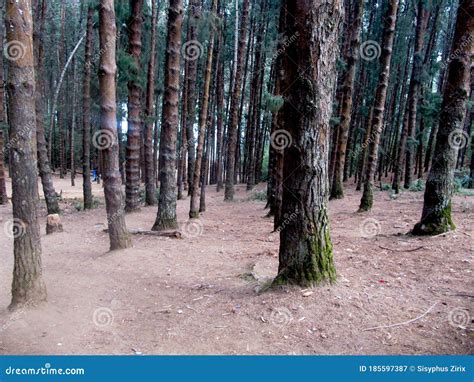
(198, 294)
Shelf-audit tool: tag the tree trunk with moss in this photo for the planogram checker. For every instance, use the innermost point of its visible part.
(390, 20)
(27, 286)
(306, 254)
(337, 191)
(166, 216)
(436, 216)
(112, 181)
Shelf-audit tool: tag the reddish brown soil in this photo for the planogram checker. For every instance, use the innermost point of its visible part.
(198, 295)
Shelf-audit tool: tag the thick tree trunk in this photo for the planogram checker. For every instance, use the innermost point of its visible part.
(150, 182)
(337, 191)
(86, 114)
(306, 255)
(390, 19)
(166, 216)
(132, 165)
(3, 186)
(118, 234)
(27, 286)
(436, 216)
(194, 204)
(232, 143)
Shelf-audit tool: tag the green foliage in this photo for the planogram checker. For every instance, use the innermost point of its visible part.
(418, 185)
(258, 195)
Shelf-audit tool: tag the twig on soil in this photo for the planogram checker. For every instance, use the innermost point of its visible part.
(402, 323)
(175, 234)
(402, 250)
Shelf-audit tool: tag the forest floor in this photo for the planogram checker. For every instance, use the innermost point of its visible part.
(201, 294)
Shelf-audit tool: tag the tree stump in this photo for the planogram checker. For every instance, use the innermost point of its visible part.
(53, 224)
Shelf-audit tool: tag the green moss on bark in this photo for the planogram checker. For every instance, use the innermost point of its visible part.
(435, 223)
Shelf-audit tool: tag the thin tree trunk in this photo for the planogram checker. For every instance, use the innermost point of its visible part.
(337, 190)
(193, 59)
(150, 182)
(390, 19)
(118, 234)
(166, 216)
(414, 92)
(27, 286)
(232, 143)
(86, 114)
(194, 204)
(306, 255)
(436, 216)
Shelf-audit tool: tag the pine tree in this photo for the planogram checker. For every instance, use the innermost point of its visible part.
(436, 216)
(118, 234)
(166, 216)
(390, 19)
(306, 255)
(27, 286)
(132, 165)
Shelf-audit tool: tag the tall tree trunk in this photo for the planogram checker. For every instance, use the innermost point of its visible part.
(132, 165)
(86, 114)
(118, 234)
(390, 19)
(190, 54)
(232, 143)
(436, 216)
(306, 255)
(337, 191)
(220, 114)
(166, 216)
(414, 91)
(150, 182)
(27, 286)
(3, 186)
(51, 199)
(60, 114)
(194, 204)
